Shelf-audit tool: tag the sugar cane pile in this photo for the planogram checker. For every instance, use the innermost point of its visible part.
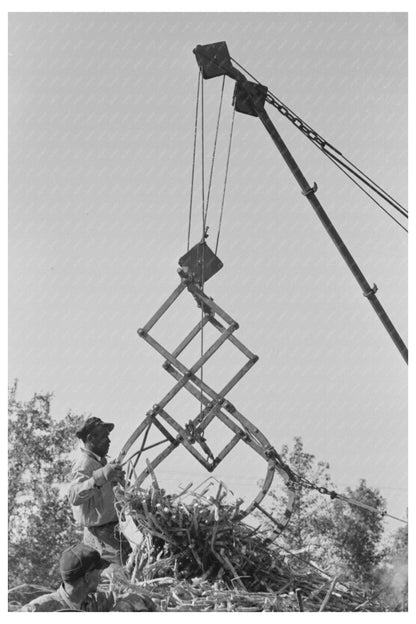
(198, 555)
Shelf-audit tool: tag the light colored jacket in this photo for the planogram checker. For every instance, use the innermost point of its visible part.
(60, 601)
(99, 601)
(91, 498)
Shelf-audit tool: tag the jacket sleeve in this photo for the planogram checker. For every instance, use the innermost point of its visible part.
(84, 485)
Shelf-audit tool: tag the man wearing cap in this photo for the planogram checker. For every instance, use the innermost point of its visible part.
(80, 567)
(91, 491)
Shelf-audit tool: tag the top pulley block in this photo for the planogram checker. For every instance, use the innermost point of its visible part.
(214, 60)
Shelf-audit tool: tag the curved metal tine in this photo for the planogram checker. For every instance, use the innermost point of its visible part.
(132, 439)
(265, 488)
(248, 425)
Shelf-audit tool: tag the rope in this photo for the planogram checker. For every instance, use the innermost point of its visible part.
(203, 231)
(225, 182)
(214, 148)
(202, 158)
(193, 159)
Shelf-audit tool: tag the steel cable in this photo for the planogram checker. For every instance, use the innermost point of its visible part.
(193, 160)
(214, 149)
(225, 182)
(320, 142)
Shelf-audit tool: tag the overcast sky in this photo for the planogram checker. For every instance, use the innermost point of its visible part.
(101, 121)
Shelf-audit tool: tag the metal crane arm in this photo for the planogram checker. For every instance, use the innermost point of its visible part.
(249, 98)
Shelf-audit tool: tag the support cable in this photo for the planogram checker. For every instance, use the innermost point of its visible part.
(214, 149)
(204, 229)
(371, 185)
(193, 160)
(225, 181)
(363, 190)
(375, 183)
(202, 157)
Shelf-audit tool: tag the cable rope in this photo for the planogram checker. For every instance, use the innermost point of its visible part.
(320, 142)
(225, 182)
(214, 149)
(193, 159)
(204, 233)
(303, 482)
(375, 183)
(202, 158)
(364, 191)
(381, 194)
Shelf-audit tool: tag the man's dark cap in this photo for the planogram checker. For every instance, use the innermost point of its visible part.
(90, 424)
(78, 559)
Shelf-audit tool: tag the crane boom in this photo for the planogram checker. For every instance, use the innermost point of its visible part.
(249, 98)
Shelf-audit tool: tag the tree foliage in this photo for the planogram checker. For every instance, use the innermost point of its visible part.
(342, 539)
(40, 519)
(391, 576)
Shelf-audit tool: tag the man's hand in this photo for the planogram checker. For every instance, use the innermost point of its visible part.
(116, 473)
(112, 472)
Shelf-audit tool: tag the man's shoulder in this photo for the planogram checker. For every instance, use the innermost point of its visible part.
(47, 602)
(84, 460)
